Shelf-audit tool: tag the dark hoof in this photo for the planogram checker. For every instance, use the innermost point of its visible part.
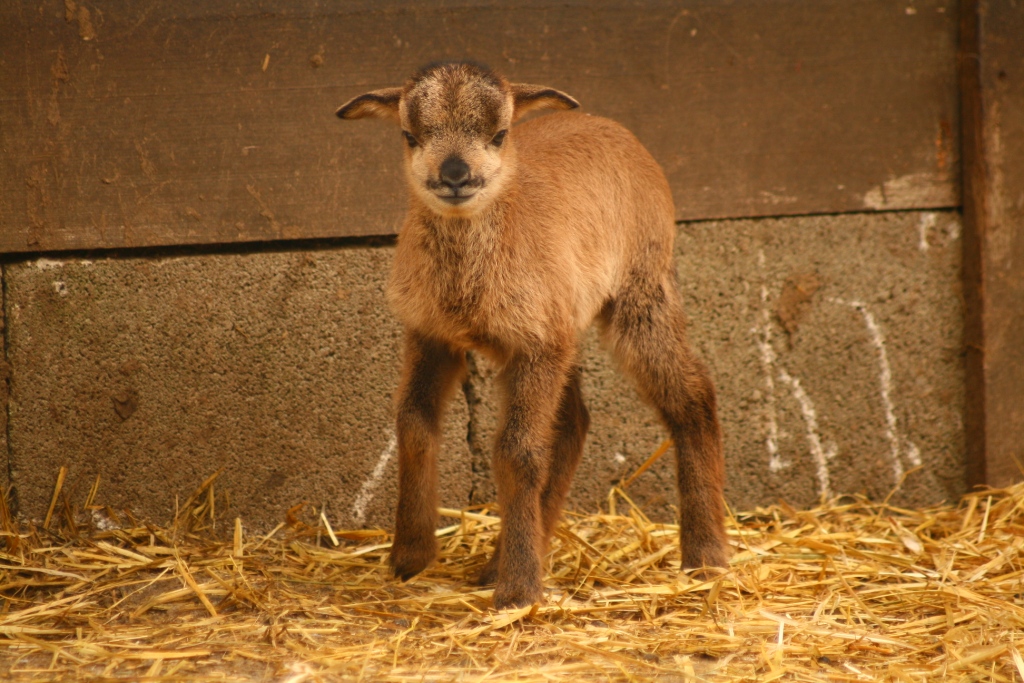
(508, 597)
(704, 573)
(710, 556)
(409, 559)
(405, 576)
(488, 576)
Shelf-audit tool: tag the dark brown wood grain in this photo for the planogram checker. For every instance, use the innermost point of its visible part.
(130, 123)
(992, 83)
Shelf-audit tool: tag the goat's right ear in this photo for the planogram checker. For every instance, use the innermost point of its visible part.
(377, 104)
(528, 97)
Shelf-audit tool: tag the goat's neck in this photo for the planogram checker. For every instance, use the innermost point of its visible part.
(473, 236)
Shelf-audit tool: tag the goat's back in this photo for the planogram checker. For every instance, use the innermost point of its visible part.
(589, 181)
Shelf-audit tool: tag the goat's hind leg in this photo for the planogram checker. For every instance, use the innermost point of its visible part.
(431, 372)
(571, 433)
(647, 332)
(566, 452)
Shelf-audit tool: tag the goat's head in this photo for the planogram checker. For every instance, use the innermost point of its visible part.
(455, 120)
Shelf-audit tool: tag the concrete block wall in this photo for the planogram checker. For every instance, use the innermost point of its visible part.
(835, 343)
(156, 372)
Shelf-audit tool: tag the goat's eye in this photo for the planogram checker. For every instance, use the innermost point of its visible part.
(499, 138)
(410, 139)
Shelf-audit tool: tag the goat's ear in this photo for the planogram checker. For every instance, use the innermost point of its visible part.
(378, 104)
(530, 97)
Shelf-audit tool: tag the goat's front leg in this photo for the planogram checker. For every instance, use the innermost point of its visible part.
(566, 450)
(431, 372)
(532, 386)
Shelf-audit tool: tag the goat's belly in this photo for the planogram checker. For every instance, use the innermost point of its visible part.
(500, 326)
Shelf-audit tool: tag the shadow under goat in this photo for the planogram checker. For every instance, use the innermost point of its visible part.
(517, 240)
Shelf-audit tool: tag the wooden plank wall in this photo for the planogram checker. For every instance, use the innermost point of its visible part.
(131, 124)
(992, 70)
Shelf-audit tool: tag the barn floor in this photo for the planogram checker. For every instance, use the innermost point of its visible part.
(848, 591)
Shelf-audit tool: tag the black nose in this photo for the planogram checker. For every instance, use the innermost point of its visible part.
(454, 172)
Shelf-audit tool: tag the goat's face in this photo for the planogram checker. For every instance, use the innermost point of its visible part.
(455, 124)
(455, 121)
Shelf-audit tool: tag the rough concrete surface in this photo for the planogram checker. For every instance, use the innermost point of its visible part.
(155, 373)
(834, 342)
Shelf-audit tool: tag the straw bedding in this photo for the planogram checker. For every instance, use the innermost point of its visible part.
(848, 591)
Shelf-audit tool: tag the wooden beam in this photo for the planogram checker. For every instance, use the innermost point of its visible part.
(136, 124)
(992, 83)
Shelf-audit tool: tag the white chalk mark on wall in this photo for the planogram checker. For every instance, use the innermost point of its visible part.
(924, 224)
(899, 447)
(953, 230)
(762, 337)
(48, 264)
(820, 455)
(913, 454)
(772, 367)
(366, 492)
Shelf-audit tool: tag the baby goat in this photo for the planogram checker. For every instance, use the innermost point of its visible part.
(516, 240)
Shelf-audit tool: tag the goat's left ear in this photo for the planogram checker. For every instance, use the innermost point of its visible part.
(530, 97)
(377, 104)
